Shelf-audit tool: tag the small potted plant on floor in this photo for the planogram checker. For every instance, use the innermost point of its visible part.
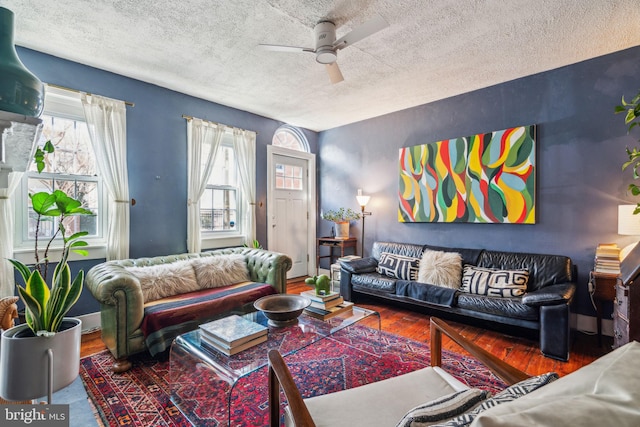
(47, 346)
(342, 218)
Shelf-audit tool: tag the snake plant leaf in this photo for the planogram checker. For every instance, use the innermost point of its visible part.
(22, 269)
(70, 298)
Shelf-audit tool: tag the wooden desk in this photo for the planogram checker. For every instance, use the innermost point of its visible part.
(332, 242)
(603, 288)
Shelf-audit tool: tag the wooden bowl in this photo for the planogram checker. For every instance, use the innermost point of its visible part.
(282, 309)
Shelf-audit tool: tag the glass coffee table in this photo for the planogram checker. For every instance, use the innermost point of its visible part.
(205, 382)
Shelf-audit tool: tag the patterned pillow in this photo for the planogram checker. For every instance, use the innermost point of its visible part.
(494, 283)
(440, 269)
(443, 408)
(398, 266)
(507, 395)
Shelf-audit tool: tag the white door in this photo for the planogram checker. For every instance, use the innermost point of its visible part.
(289, 211)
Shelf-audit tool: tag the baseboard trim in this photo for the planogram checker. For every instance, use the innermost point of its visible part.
(90, 322)
(589, 324)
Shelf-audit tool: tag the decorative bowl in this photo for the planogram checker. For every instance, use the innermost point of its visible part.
(282, 309)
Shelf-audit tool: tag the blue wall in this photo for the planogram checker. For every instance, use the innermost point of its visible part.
(157, 153)
(581, 147)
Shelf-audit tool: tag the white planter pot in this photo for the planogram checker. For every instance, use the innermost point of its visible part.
(342, 230)
(25, 362)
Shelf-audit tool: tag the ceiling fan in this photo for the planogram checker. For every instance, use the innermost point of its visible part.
(327, 47)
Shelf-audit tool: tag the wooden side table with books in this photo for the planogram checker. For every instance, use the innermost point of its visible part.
(603, 289)
(603, 279)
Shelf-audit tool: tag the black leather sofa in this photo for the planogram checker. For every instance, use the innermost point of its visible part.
(544, 307)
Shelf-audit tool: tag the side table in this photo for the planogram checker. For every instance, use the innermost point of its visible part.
(333, 242)
(603, 289)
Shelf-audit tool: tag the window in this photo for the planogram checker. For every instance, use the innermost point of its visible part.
(288, 177)
(290, 137)
(71, 168)
(220, 202)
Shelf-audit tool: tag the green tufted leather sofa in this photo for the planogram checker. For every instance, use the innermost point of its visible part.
(122, 304)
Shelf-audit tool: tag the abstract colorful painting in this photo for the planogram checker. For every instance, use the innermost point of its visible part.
(484, 178)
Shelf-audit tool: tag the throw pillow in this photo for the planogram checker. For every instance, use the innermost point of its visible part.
(494, 283)
(165, 280)
(443, 408)
(440, 269)
(220, 270)
(398, 266)
(507, 395)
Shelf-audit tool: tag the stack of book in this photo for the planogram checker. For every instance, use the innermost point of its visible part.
(232, 334)
(607, 259)
(326, 306)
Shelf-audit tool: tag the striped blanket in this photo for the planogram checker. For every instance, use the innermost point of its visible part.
(169, 317)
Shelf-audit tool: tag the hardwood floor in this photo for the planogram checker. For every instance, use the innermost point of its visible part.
(522, 353)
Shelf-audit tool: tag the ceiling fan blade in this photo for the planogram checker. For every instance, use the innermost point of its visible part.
(334, 72)
(280, 48)
(365, 30)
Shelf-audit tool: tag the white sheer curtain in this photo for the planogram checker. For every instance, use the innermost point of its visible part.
(244, 144)
(203, 140)
(107, 124)
(7, 281)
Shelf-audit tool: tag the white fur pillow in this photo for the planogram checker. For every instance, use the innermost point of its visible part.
(440, 269)
(220, 270)
(165, 280)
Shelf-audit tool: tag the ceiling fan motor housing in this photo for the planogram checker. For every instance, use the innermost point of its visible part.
(325, 33)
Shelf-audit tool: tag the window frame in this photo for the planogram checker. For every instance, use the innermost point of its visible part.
(64, 104)
(211, 239)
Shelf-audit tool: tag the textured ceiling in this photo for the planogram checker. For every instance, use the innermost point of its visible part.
(432, 49)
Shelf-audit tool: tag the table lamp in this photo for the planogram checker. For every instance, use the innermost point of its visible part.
(628, 225)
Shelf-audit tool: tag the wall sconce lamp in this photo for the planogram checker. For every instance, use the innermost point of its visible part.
(362, 201)
(628, 225)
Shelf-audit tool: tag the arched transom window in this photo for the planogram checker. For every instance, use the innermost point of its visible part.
(290, 137)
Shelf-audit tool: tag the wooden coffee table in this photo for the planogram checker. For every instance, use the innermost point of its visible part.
(204, 379)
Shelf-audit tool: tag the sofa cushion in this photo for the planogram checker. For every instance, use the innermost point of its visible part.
(544, 270)
(398, 266)
(220, 270)
(507, 395)
(504, 307)
(443, 408)
(602, 393)
(164, 280)
(495, 283)
(405, 249)
(361, 265)
(469, 256)
(440, 269)
(373, 282)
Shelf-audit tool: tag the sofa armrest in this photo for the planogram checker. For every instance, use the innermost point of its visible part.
(550, 295)
(362, 265)
(268, 267)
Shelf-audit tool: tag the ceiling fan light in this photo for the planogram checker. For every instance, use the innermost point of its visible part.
(326, 56)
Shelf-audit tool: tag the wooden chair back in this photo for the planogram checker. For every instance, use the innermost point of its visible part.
(280, 376)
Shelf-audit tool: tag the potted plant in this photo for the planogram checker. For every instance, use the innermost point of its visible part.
(342, 218)
(48, 344)
(632, 119)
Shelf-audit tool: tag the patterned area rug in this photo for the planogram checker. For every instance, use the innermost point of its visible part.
(141, 396)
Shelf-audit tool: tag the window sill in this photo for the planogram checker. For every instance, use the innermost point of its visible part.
(25, 255)
(223, 241)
